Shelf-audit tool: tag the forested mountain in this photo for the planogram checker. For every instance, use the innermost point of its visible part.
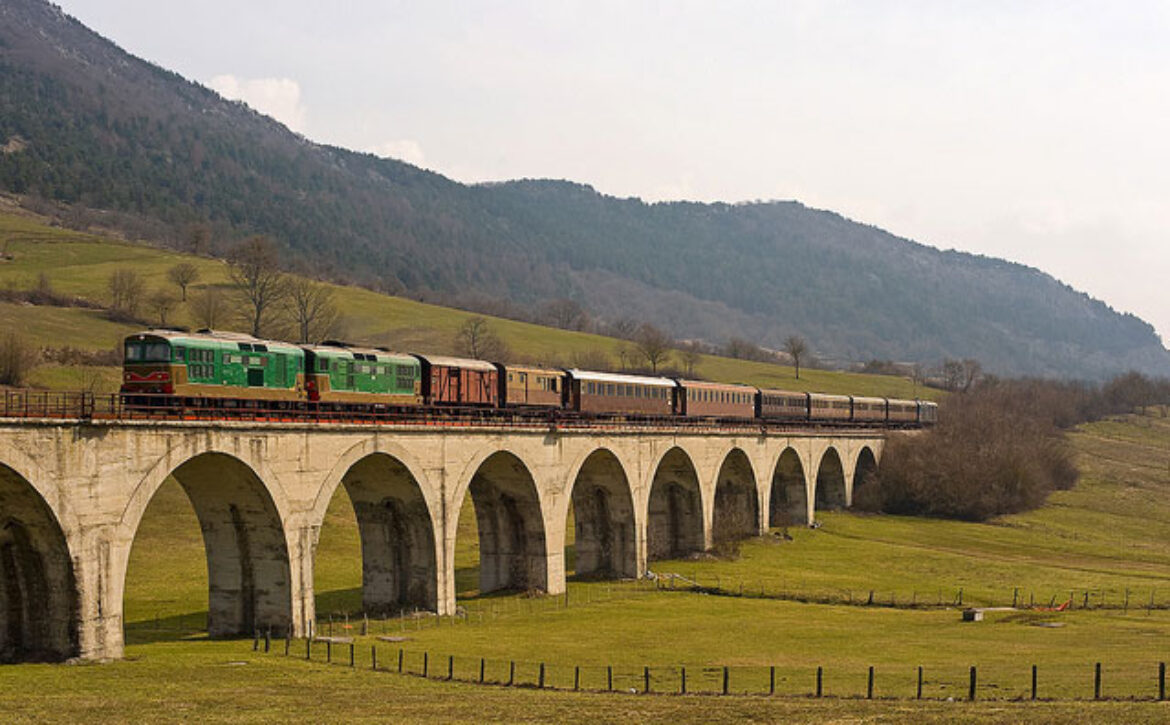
(86, 124)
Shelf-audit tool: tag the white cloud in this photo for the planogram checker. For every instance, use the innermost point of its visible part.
(276, 97)
(403, 149)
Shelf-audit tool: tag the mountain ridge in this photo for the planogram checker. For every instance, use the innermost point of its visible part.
(100, 128)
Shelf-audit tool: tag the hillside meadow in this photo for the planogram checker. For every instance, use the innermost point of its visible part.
(81, 264)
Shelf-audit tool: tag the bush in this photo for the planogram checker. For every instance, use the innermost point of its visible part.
(17, 359)
(995, 450)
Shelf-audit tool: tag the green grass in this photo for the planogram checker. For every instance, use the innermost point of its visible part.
(226, 682)
(80, 264)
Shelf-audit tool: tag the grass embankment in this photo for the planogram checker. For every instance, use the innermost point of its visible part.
(80, 264)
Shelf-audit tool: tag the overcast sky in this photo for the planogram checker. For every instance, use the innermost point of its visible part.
(1038, 132)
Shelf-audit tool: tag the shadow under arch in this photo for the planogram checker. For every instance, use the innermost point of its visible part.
(864, 477)
(788, 504)
(674, 521)
(737, 506)
(508, 516)
(603, 514)
(830, 482)
(39, 603)
(248, 565)
(397, 534)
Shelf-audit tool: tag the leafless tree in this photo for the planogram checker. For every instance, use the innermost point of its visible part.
(198, 239)
(689, 353)
(161, 302)
(742, 349)
(254, 267)
(312, 307)
(952, 374)
(565, 314)
(126, 287)
(183, 275)
(209, 308)
(477, 339)
(592, 358)
(972, 371)
(624, 327)
(653, 345)
(796, 348)
(17, 359)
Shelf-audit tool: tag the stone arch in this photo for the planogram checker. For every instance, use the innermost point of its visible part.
(788, 503)
(512, 548)
(397, 533)
(830, 487)
(248, 564)
(39, 602)
(737, 507)
(603, 513)
(674, 521)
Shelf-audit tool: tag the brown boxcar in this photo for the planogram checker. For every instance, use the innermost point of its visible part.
(612, 393)
(903, 411)
(524, 387)
(829, 407)
(783, 404)
(459, 381)
(715, 400)
(869, 409)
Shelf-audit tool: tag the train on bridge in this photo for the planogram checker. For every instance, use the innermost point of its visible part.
(229, 371)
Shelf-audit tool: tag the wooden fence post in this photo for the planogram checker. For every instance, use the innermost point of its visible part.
(374, 657)
(481, 669)
(1035, 679)
(726, 680)
(682, 684)
(1097, 682)
(974, 680)
(646, 679)
(820, 680)
(869, 684)
(1161, 681)
(511, 672)
(401, 657)
(918, 696)
(772, 680)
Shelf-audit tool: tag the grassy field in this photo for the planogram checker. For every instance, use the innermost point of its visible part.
(1108, 536)
(80, 264)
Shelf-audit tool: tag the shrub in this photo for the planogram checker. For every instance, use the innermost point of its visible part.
(17, 359)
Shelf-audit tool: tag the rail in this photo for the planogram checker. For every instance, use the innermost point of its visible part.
(87, 407)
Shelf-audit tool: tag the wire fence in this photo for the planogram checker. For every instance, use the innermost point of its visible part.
(1059, 681)
(977, 597)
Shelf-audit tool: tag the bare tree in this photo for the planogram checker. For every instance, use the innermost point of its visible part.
(477, 339)
(972, 371)
(689, 353)
(591, 358)
(565, 314)
(653, 345)
(198, 239)
(183, 275)
(796, 348)
(208, 308)
(161, 302)
(254, 267)
(126, 287)
(17, 359)
(742, 349)
(311, 306)
(952, 374)
(624, 327)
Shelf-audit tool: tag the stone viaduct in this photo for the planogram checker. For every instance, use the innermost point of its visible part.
(72, 495)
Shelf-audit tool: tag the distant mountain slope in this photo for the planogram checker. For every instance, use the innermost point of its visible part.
(82, 122)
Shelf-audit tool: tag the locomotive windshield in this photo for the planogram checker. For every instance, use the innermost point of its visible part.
(148, 352)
